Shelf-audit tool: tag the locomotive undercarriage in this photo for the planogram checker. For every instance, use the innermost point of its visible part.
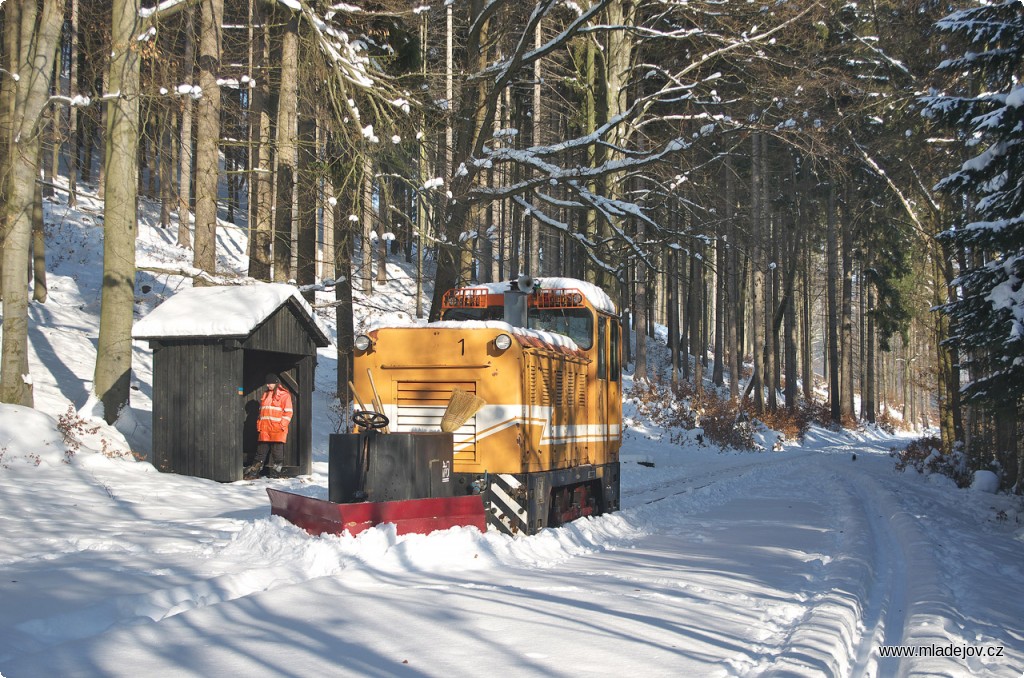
(525, 503)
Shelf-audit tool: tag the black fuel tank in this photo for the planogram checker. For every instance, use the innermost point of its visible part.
(375, 466)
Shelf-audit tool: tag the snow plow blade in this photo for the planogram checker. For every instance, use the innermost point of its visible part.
(411, 516)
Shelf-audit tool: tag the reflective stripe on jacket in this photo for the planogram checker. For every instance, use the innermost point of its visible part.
(275, 415)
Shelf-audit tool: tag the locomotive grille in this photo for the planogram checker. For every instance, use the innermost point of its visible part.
(581, 389)
(547, 381)
(554, 382)
(560, 385)
(421, 404)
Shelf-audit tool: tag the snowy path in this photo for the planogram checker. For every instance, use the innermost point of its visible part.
(797, 563)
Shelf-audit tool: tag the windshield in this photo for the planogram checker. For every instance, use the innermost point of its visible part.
(488, 313)
(575, 323)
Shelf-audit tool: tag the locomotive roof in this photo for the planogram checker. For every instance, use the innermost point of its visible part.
(594, 294)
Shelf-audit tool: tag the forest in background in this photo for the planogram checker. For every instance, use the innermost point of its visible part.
(801, 192)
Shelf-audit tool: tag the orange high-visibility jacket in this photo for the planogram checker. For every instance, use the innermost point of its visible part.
(275, 415)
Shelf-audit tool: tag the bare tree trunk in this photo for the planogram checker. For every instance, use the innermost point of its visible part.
(770, 300)
(185, 142)
(790, 324)
(640, 316)
(167, 124)
(10, 55)
(114, 348)
(327, 270)
(492, 249)
(422, 166)
(385, 204)
(757, 299)
(718, 371)
(535, 224)
(697, 317)
(474, 114)
(287, 130)
(262, 183)
(870, 406)
(50, 161)
(672, 311)
(685, 312)
(790, 251)
(73, 150)
(305, 273)
(847, 375)
(208, 136)
(910, 400)
(38, 247)
(366, 209)
(884, 374)
(618, 58)
(592, 224)
(832, 246)
(734, 310)
(344, 237)
(950, 422)
(35, 49)
(807, 353)
(487, 227)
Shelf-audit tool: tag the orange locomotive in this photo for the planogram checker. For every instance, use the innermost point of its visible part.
(543, 447)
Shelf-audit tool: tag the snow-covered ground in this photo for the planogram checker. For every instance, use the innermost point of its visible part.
(802, 562)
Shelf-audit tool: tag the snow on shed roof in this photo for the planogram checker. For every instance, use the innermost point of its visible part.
(230, 311)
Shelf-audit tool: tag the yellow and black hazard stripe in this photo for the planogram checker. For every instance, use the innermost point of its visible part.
(505, 504)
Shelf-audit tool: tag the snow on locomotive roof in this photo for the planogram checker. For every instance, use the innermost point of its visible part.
(594, 294)
(550, 338)
(231, 311)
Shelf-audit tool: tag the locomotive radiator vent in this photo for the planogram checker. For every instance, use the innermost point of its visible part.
(422, 405)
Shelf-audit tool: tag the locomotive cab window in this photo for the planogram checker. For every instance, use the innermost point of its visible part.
(613, 356)
(602, 362)
(575, 323)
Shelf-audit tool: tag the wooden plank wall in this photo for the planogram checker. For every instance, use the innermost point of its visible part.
(198, 417)
(282, 332)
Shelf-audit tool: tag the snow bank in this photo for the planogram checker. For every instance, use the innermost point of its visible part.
(985, 481)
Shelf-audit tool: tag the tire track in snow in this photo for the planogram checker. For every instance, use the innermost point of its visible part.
(823, 640)
(895, 540)
(884, 564)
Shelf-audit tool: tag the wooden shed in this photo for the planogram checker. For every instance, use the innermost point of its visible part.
(212, 349)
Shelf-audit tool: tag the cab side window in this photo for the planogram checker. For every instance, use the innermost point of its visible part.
(602, 345)
(613, 357)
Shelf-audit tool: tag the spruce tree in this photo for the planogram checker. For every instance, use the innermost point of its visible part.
(985, 103)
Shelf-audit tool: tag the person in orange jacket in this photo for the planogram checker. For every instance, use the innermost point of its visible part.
(272, 426)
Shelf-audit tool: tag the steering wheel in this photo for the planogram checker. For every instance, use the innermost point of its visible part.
(370, 419)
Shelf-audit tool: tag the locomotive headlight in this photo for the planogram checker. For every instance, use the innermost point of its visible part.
(502, 342)
(362, 342)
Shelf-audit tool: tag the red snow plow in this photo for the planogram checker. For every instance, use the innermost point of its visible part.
(416, 516)
(376, 477)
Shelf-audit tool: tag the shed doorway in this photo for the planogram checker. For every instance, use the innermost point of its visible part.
(257, 365)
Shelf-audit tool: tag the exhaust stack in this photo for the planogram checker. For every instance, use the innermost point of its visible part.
(515, 301)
